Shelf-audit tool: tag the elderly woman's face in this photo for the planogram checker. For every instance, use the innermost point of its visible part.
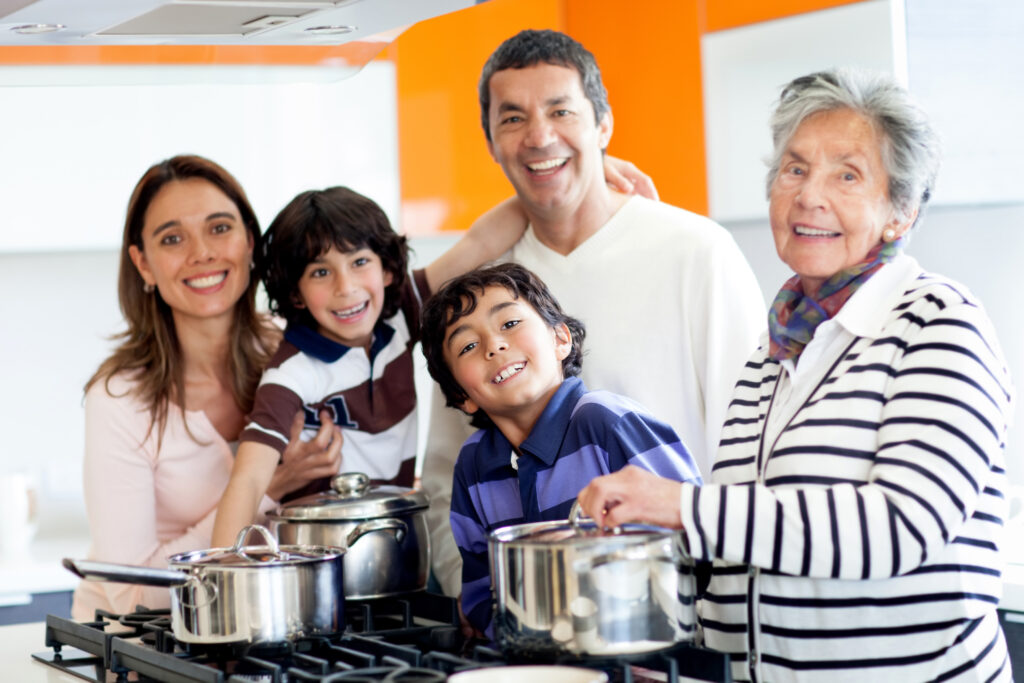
(830, 199)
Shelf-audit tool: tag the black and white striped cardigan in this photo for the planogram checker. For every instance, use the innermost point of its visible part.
(863, 545)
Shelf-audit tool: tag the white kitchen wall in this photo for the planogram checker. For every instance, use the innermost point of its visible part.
(70, 157)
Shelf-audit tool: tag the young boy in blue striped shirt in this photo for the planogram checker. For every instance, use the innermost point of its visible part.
(503, 350)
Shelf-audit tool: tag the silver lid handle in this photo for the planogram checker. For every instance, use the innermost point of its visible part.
(350, 484)
(239, 547)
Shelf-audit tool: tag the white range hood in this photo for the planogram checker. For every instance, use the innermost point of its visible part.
(209, 22)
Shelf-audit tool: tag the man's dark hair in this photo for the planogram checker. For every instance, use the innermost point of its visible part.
(458, 298)
(530, 47)
(312, 223)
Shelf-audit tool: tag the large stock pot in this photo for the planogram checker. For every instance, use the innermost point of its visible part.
(568, 588)
(243, 594)
(382, 528)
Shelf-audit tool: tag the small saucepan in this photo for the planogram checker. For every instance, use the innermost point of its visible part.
(243, 594)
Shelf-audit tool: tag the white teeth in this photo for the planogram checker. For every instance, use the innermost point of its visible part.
(814, 232)
(508, 372)
(208, 281)
(351, 311)
(546, 165)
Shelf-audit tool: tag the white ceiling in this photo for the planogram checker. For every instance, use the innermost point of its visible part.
(210, 22)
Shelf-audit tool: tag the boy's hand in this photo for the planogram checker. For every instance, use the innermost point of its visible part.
(304, 461)
(625, 177)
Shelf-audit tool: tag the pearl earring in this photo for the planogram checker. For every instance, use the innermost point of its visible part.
(888, 235)
(148, 288)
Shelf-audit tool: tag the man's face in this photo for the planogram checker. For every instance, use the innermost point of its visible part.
(544, 137)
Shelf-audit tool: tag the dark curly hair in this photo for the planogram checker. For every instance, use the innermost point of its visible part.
(312, 223)
(458, 298)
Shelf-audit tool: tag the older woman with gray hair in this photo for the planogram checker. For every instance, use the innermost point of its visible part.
(855, 511)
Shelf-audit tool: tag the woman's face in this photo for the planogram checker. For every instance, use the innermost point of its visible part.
(830, 200)
(196, 249)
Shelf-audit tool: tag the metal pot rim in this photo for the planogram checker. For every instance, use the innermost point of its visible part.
(583, 535)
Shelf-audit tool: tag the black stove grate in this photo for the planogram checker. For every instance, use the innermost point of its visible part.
(411, 639)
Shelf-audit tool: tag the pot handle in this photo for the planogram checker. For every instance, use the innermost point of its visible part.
(576, 518)
(239, 547)
(126, 573)
(211, 594)
(395, 526)
(575, 515)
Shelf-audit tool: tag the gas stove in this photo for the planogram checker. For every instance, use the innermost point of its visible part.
(414, 638)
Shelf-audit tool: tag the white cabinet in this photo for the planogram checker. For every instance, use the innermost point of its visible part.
(71, 155)
(745, 68)
(962, 61)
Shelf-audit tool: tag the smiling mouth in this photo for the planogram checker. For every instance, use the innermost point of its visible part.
(805, 231)
(548, 166)
(350, 312)
(206, 281)
(509, 371)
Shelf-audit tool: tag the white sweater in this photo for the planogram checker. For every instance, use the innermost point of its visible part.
(858, 538)
(672, 311)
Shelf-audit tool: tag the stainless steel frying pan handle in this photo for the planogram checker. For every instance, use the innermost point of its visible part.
(395, 526)
(239, 547)
(126, 573)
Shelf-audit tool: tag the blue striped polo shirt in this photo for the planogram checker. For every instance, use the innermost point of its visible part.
(579, 436)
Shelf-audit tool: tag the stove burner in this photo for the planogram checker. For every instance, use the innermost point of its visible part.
(410, 639)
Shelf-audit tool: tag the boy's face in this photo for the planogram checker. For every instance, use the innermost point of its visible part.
(505, 357)
(344, 292)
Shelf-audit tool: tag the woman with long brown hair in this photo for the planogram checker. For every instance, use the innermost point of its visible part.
(163, 411)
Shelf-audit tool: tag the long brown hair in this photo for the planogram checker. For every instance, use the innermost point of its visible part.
(149, 350)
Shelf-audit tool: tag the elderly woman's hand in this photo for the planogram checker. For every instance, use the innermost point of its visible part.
(632, 495)
(304, 461)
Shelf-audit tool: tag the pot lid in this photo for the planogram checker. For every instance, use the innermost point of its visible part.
(586, 533)
(352, 497)
(579, 531)
(268, 554)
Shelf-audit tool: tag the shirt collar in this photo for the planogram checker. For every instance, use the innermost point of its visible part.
(545, 438)
(314, 344)
(867, 311)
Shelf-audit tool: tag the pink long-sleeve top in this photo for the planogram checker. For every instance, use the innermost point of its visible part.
(144, 502)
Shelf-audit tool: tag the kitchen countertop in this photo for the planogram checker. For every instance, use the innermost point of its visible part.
(17, 643)
(39, 570)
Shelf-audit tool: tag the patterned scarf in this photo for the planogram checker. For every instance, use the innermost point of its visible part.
(794, 316)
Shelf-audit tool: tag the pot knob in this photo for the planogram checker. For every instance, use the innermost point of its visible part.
(350, 484)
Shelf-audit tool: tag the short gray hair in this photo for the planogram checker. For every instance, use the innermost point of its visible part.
(910, 146)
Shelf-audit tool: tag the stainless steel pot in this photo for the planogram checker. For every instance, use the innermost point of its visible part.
(382, 528)
(243, 594)
(569, 588)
